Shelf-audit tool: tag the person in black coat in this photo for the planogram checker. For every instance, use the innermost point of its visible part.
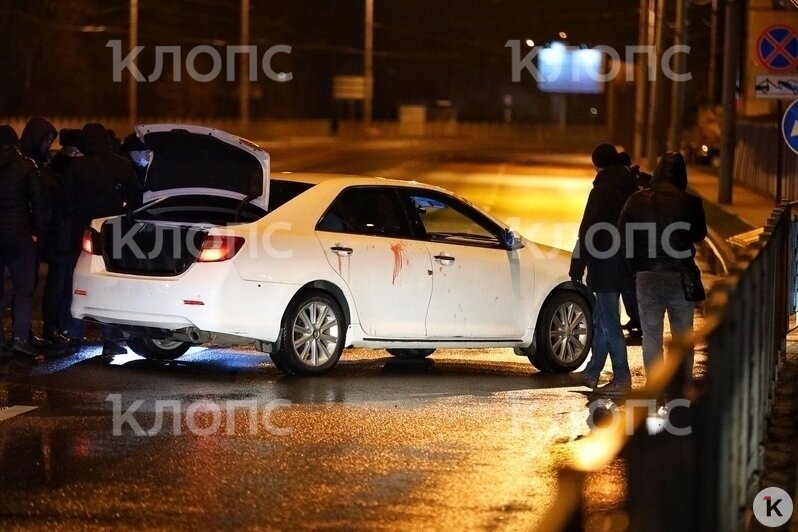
(597, 251)
(629, 292)
(21, 224)
(658, 273)
(101, 184)
(60, 328)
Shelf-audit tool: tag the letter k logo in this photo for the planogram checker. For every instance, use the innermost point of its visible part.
(772, 506)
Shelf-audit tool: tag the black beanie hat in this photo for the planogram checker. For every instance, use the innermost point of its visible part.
(604, 155)
(8, 135)
(70, 137)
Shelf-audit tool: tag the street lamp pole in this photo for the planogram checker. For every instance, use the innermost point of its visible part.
(243, 71)
(368, 63)
(641, 84)
(677, 87)
(132, 93)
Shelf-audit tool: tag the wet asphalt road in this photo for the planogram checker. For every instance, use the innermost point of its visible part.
(464, 440)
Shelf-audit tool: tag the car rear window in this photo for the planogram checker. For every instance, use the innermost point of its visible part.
(281, 192)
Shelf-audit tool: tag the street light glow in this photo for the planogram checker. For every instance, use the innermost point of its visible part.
(563, 35)
(530, 43)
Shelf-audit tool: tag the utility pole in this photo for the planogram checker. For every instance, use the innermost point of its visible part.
(243, 70)
(132, 84)
(641, 84)
(732, 44)
(655, 125)
(368, 64)
(712, 74)
(677, 87)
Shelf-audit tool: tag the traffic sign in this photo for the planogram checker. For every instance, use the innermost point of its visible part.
(789, 126)
(774, 87)
(349, 87)
(778, 48)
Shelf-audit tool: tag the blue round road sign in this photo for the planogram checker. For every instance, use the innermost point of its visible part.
(778, 48)
(789, 126)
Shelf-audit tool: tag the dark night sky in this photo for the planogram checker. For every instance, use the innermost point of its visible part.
(424, 50)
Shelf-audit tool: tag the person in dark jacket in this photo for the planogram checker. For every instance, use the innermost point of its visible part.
(641, 178)
(21, 224)
(597, 251)
(35, 142)
(102, 184)
(135, 150)
(69, 140)
(60, 328)
(658, 264)
(629, 292)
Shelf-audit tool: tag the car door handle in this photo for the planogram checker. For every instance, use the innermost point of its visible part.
(444, 259)
(340, 249)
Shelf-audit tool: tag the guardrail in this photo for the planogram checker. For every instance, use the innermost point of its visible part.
(705, 480)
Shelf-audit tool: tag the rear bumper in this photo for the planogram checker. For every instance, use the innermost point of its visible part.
(210, 297)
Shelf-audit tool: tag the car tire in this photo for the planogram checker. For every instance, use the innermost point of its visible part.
(415, 354)
(564, 333)
(157, 349)
(313, 335)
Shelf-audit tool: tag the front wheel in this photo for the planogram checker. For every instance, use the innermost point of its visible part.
(157, 349)
(564, 333)
(313, 335)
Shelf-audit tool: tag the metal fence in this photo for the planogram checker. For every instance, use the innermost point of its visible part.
(705, 480)
(755, 157)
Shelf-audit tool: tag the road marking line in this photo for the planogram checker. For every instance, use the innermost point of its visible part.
(14, 411)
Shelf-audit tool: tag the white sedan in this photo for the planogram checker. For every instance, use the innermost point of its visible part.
(304, 266)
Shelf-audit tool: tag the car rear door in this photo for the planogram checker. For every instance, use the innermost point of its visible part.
(480, 289)
(367, 237)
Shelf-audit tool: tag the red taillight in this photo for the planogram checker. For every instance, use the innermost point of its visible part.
(88, 241)
(220, 248)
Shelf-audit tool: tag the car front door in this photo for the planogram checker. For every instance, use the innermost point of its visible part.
(480, 289)
(367, 237)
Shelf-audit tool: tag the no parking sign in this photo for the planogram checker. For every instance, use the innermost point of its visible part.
(778, 48)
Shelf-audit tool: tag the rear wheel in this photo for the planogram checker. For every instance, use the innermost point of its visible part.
(157, 349)
(313, 335)
(411, 353)
(564, 333)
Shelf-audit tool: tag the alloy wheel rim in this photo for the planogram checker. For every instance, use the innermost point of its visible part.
(315, 333)
(568, 332)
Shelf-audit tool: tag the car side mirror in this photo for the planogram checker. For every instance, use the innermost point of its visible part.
(512, 240)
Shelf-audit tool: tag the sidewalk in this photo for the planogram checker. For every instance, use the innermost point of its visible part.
(749, 209)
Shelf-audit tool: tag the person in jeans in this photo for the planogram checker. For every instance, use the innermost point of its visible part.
(21, 223)
(629, 292)
(597, 251)
(654, 214)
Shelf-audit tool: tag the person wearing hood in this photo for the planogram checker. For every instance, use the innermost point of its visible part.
(36, 140)
(21, 224)
(69, 140)
(60, 329)
(659, 265)
(102, 184)
(606, 272)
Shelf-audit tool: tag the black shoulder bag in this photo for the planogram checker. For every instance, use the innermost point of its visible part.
(692, 285)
